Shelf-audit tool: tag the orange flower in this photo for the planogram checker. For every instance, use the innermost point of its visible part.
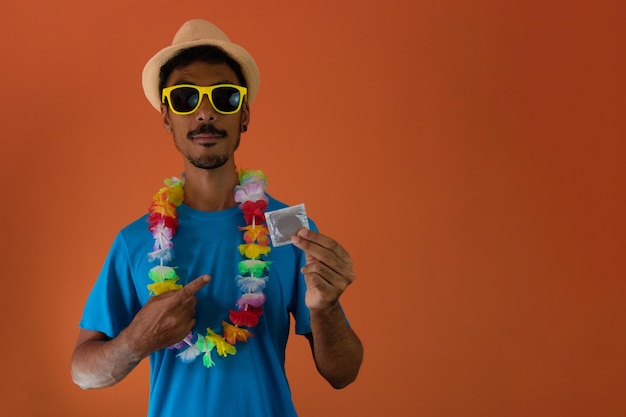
(163, 208)
(234, 334)
(256, 232)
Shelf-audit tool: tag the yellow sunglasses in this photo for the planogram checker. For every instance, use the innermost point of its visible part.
(186, 98)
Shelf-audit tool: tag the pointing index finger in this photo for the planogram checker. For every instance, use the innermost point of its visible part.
(195, 285)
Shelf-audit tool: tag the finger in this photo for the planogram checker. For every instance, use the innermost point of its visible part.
(321, 292)
(323, 248)
(322, 241)
(189, 302)
(318, 282)
(339, 280)
(195, 285)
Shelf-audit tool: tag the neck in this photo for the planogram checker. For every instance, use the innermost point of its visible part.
(210, 190)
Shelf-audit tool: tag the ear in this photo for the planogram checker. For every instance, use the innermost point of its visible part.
(245, 116)
(165, 116)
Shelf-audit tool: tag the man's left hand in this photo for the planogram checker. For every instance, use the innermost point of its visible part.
(328, 269)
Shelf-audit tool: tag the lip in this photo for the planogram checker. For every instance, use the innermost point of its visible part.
(206, 138)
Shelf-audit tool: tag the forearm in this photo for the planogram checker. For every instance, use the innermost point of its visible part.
(337, 350)
(165, 319)
(102, 363)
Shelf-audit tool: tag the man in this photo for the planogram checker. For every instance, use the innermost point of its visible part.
(214, 317)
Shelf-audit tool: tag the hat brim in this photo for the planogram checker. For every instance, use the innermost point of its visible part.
(151, 71)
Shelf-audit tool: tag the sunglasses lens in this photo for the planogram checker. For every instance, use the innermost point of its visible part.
(184, 99)
(226, 99)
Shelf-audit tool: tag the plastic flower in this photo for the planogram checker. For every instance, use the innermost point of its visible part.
(205, 346)
(163, 224)
(250, 284)
(163, 208)
(253, 266)
(164, 255)
(247, 318)
(162, 236)
(254, 299)
(252, 191)
(190, 354)
(253, 211)
(174, 190)
(163, 287)
(234, 334)
(263, 240)
(256, 233)
(162, 273)
(155, 218)
(253, 251)
(252, 175)
(222, 347)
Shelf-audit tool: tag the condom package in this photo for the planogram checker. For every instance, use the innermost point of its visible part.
(284, 223)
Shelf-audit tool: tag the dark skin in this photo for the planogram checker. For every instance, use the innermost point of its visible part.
(100, 361)
(337, 351)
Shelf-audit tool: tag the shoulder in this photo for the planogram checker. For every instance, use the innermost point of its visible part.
(138, 225)
(274, 204)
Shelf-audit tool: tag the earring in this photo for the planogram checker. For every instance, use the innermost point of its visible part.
(244, 128)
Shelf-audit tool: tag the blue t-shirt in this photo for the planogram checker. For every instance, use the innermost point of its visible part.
(253, 381)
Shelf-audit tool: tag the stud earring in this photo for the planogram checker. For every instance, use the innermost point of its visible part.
(244, 128)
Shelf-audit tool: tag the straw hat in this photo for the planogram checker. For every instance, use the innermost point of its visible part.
(198, 32)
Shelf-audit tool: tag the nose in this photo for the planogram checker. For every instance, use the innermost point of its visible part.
(206, 110)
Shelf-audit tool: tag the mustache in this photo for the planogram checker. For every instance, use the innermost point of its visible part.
(206, 128)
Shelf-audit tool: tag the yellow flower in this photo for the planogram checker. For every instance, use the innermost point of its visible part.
(163, 208)
(222, 346)
(252, 250)
(175, 195)
(248, 175)
(166, 200)
(162, 287)
(174, 192)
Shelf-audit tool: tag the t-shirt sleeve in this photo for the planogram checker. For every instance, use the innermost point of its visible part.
(113, 301)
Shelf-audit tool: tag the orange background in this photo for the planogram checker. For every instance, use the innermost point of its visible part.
(469, 155)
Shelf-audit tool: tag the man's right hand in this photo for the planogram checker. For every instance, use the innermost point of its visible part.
(165, 319)
(99, 361)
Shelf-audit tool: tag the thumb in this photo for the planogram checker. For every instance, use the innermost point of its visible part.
(195, 285)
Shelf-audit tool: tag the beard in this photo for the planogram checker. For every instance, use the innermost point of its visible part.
(208, 161)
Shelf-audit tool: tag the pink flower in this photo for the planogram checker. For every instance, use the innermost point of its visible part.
(250, 192)
(254, 299)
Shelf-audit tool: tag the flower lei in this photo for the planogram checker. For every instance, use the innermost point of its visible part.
(253, 271)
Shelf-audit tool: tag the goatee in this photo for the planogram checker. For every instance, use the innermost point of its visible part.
(208, 161)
